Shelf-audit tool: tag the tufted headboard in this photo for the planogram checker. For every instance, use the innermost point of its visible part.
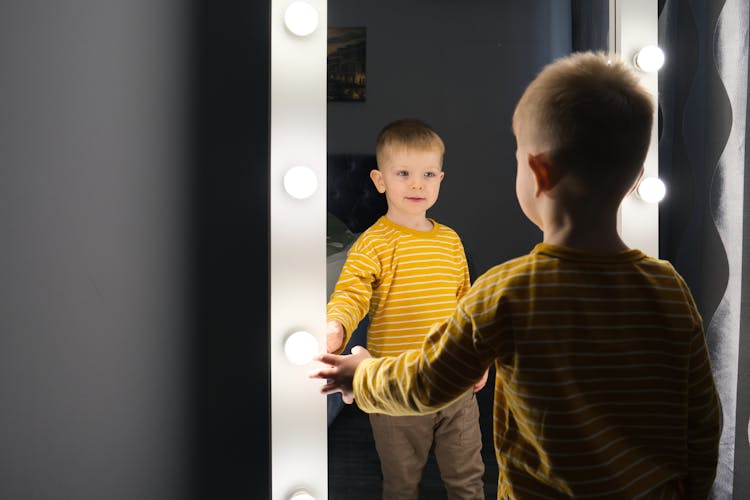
(351, 195)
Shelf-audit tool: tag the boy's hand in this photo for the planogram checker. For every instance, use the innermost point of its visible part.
(482, 381)
(340, 372)
(334, 336)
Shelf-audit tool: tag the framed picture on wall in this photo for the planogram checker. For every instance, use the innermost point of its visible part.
(347, 78)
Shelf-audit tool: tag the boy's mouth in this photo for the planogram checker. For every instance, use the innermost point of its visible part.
(414, 198)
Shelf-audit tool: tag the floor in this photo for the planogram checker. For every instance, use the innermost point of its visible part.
(354, 467)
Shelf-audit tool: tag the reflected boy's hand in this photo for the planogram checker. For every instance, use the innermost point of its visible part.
(334, 336)
(482, 381)
(339, 373)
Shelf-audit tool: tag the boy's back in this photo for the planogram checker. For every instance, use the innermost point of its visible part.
(593, 353)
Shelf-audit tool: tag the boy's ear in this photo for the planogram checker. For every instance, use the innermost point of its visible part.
(637, 181)
(377, 179)
(544, 171)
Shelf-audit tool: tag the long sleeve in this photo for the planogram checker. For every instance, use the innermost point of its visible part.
(426, 380)
(351, 297)
(465, 285)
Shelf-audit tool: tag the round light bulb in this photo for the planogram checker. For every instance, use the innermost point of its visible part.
(300, 347)
(300, 182)
(651, 190)
(301, 18)
(649, 59)
(301, 495)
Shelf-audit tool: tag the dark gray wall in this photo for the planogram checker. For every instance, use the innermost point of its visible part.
(91, 315)
(133, 215)
(461, 66)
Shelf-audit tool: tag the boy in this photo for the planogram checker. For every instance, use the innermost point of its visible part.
(604, 386)
(409, 272)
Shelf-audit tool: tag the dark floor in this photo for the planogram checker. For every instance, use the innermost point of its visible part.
(354, 467)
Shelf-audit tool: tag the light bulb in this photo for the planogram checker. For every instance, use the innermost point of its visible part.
(300, 182)
(651, 190)
(301, 18)
(301, 495)
(649, 59)
(300, 347)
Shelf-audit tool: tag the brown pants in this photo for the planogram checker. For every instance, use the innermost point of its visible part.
(403, 444)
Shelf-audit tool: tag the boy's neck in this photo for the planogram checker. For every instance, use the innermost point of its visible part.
(586, 241)
(588, 231)
(415, 222)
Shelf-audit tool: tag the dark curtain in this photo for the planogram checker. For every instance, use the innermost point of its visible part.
(702, 159)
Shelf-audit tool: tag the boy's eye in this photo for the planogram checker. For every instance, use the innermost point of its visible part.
(402, 173)
(429, 174)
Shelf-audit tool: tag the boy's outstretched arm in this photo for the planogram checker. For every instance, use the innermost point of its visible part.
(339, 372)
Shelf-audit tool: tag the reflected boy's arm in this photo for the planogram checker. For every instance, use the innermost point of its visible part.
(464, 287)
(350, 300)
(335, 336)
(482, 381)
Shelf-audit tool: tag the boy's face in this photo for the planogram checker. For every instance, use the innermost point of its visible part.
(410, 179)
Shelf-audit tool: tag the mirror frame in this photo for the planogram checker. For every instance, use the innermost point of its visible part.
(298, 227)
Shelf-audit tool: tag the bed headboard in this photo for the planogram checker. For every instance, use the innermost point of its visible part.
(351, 195)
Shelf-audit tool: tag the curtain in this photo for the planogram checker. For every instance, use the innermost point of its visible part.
(702, 157)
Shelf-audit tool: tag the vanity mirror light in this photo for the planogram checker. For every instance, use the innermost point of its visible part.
(298, 224)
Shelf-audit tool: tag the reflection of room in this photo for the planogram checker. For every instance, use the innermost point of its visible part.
(461, 70)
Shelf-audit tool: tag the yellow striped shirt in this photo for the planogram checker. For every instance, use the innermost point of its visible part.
(407, 280)
(603, 382)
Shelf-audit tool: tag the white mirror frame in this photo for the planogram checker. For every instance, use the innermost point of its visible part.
(297, 242)
(298, 229)
(636, 26)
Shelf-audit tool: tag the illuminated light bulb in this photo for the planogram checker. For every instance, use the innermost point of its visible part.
(301, 495)
(300, 182)
(300, 347)
(651, 190)
(649, 59)
(301, 18)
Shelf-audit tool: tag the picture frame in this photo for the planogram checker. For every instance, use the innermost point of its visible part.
(347, 75)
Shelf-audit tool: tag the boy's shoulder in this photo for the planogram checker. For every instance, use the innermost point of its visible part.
(549, 259)
(374, 236)
(443, 228)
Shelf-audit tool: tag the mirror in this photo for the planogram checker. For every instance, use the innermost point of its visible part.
(461, 67)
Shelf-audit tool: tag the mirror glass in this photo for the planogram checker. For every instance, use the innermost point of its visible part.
(461, 67)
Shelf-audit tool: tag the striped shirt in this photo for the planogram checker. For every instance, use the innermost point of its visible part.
(407, 280)
(603, 383)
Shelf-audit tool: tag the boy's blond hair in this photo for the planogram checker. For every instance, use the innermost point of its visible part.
(407, 133)
(594, 117)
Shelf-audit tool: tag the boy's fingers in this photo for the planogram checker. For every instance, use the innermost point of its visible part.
(322, 373)
(329, 389)
(329, 359)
